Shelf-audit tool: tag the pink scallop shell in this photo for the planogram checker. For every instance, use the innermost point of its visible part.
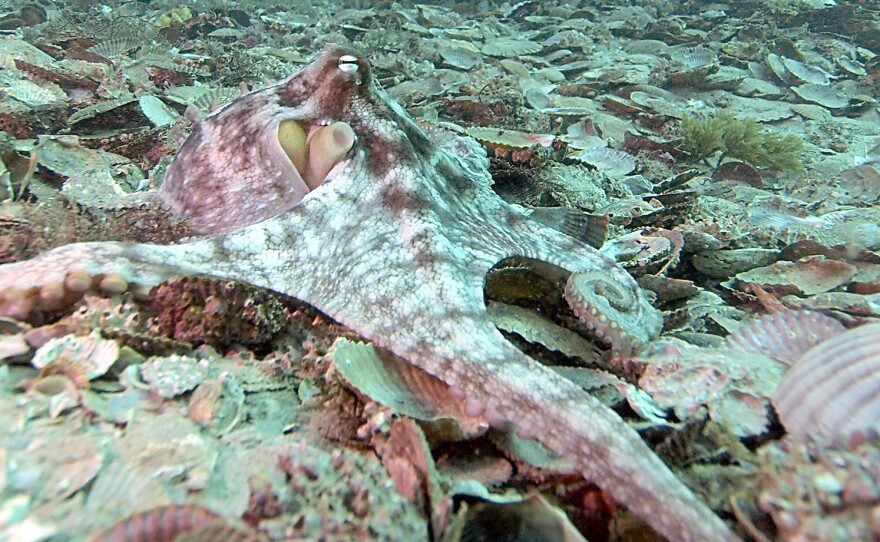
(784, 336)
(834, 389)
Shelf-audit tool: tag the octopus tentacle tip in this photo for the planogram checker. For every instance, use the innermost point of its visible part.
(113, 284)
(51, 294)
(17, 303)
(473, 407)
(78, 281)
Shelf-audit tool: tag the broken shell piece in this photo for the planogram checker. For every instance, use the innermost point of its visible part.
(155, 109)
(851, 66)
(834, 389)
(94, 354)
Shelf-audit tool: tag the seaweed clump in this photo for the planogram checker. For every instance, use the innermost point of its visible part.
(743, 139)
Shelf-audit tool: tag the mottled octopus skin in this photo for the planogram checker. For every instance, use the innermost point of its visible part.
(395, 245)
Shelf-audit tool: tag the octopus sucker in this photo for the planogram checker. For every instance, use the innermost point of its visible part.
(342, 246)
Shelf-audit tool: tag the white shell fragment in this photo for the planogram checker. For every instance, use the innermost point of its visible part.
(834, 389)
(611, 162)
(92, 353)
(695, 57)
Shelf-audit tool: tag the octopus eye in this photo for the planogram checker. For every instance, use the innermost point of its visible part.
(348, 63)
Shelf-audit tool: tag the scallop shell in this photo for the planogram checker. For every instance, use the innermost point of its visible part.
(510, 47)
(825, 96)
(835, 387)
(695, 57)
(784, 336)
(459, 56)
(776, 65)
(404, 388)
(611, 162)
(31, 93)
(806, 73)
(92, 353)
(851, 66)
(115, 47)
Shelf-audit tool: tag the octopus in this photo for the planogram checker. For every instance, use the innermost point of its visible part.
(323, 188)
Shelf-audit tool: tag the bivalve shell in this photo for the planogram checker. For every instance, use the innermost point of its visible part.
(612, 162)
(505, 47)
(784, 336)
(834, 389)
(806, 73)
(825, 96)
(693, 58)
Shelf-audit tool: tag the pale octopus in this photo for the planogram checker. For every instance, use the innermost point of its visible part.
(323, 188)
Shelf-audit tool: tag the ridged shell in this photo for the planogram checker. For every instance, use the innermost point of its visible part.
(401, 386)
(31, 93)
(611, 162)
(695, 57)
(165, 523)
(776, 65)
(115, 47)
(834, 389)
(94, 354)
(784, 336)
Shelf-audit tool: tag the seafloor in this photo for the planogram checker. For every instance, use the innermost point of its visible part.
(725, 153)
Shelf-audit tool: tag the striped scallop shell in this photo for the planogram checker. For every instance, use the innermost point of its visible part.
(834, 389)
(784, 336)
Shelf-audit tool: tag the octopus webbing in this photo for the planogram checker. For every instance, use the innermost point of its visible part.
(323, 188)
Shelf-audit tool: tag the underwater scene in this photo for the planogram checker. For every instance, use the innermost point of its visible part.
(535, 271)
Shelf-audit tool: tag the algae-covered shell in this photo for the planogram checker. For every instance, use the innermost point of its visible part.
(461, 55)
(834, 389)
(806, 73)
(776, 65)
(510, 47)
(822, 95)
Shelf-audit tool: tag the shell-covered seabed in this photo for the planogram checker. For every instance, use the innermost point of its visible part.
(725, 154)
